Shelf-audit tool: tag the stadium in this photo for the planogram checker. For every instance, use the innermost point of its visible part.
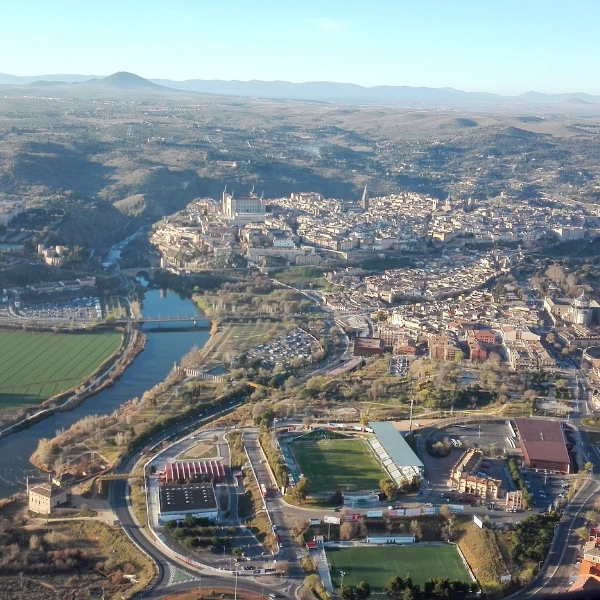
(349, 458)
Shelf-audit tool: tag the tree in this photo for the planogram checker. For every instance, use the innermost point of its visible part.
(409, 594)
(301, 489)
(348, 530)
(588, 466)
(237, 551)
(415, 529)
(337, 497)
(388, 488)
(592, 517)
(363, 590)
(347, 593)
(395, 587)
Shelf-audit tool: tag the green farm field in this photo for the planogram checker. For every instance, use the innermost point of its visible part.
(377, 564)
(36, 366)
(331, 465)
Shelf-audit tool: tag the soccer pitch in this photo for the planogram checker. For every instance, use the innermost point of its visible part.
(36, 366)
(377, 564)
(330, 465)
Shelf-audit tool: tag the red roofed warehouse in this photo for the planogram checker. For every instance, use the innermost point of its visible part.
(368, 347)
(196, 470)
(543, 444)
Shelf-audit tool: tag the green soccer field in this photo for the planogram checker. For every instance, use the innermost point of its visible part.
(330, 465)
(377, 564)
(36, 366)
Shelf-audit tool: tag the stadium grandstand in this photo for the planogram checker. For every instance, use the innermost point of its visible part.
(396, 456)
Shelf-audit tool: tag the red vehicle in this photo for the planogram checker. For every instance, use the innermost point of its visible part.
(263, 490)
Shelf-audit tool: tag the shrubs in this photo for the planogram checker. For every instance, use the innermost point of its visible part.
(439, 449)
(532, 537)
(518, 479)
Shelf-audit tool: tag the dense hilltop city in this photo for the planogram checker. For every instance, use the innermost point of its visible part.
(294, 350)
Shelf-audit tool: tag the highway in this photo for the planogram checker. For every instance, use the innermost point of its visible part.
(560, 568)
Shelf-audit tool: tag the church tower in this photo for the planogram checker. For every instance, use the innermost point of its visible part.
(364, 202)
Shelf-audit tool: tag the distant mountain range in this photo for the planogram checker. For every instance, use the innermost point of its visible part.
(283, 90)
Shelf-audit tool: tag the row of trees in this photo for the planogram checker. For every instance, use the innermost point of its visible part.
(400, 588)
(515, 473)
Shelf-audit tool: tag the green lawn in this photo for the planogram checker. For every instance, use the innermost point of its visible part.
(36, 366)
(377, 564)
(331, 465)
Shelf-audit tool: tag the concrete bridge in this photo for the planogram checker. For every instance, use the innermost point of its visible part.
(168, 319)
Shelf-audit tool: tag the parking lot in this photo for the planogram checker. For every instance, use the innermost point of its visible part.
(77, 309)
(398, 366)
(546, 488)
(462, 437)
(282, 350)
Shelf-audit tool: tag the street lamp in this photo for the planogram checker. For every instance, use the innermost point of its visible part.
(236, 577)
(342, 573)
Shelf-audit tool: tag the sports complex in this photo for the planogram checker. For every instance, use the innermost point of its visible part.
(350, 458)
(353, 460)
(377, 564)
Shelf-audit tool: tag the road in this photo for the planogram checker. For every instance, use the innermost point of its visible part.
(274, 505)
(560, 569)
(166, 564)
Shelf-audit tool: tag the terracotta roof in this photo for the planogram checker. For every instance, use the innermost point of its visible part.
(543, 440)
(585, 582)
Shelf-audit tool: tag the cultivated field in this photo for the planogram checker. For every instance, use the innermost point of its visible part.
(331, 465)
(377, 564)
(36, 366)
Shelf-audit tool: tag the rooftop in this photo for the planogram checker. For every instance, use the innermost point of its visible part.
(47, 489)
(544, 440)
(395, 445)
(369, 342)
(197, 469)
(187, 497)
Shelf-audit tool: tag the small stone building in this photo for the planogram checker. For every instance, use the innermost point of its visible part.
(45, 496)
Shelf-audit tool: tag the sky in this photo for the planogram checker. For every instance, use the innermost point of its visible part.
(501, 46)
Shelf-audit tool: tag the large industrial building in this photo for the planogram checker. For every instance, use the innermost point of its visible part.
(544, 445)
(396, 456)
(177, 501)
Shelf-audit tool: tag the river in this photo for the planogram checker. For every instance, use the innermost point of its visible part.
(149, 368)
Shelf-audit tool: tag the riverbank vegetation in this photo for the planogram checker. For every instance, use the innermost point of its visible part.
(131, 425)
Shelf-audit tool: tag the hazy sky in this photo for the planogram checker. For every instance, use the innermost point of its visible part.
(504, 46)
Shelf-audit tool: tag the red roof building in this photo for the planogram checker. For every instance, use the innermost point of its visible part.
(368, 346)
(196, 470)
(543, 444)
